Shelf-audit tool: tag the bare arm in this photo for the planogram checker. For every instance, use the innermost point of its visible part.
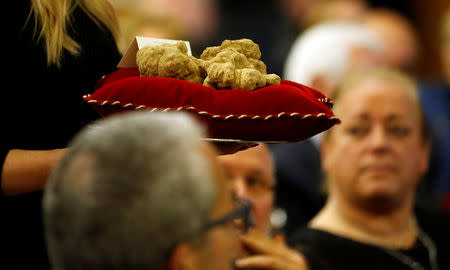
(26, 171)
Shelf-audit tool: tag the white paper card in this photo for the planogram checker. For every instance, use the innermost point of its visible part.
(129, 58)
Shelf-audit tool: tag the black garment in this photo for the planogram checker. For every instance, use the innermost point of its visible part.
(42, 109)
(298, 173)
(325, 251)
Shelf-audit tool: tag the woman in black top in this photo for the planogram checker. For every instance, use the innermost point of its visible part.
(373, 162)
(325, 250)
(55, 53)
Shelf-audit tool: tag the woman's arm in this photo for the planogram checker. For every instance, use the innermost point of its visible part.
(26, 171)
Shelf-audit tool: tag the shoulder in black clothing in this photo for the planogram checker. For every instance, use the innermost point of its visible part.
(326, 251)
(436, 223)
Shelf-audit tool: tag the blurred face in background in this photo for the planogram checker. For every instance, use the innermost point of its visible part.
(335, 10)
(378, 154)
(362, 57)
(400, 46)
(359, 57)
(252, 175)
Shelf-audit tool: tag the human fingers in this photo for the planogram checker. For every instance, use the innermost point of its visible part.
(269, 263)
(258, 262)
(260, 243)
(279, 238)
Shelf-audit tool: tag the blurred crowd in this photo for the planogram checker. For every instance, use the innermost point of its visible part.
(145, 191)
(316, 43)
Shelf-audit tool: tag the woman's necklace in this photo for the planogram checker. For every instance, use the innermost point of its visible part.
(427, 243)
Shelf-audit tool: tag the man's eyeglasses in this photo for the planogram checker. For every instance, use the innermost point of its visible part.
(257, 186)
(241, 214)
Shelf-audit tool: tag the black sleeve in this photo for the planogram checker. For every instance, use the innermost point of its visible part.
(313, 259)
(3, 152)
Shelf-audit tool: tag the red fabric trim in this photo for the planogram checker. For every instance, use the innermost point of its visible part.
(286, 112)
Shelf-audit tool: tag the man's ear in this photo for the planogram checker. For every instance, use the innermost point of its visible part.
(322, 84)
(183, 257)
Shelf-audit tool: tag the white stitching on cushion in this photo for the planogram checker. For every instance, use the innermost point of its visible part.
(227, 117)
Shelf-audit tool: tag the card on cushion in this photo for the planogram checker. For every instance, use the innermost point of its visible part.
(287, 112)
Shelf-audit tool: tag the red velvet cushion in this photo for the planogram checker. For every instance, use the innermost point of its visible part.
(286, 112)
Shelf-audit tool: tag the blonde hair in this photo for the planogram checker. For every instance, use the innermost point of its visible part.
(52, 18)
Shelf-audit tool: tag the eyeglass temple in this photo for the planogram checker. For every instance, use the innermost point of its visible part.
(244, 211)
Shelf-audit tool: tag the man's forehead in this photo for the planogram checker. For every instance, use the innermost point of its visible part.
(257, 159)
(258, 153)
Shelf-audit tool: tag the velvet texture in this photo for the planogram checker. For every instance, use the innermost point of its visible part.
(287, 112)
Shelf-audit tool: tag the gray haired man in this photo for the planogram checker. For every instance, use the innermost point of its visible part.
(141, 191)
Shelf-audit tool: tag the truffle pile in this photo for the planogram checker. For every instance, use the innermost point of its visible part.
(235, 64)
